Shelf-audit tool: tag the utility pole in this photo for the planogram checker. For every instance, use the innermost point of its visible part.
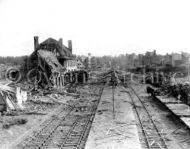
(114, 83)
(188, 66)
(144, 74)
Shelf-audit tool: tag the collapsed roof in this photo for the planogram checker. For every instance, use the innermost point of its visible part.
(51, 60)
(62, 49)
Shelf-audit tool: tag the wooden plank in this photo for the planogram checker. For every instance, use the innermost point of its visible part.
(166, 99)
(179, 109)
(186, 120)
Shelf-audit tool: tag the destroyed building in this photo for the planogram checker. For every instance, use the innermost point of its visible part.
(53, 64)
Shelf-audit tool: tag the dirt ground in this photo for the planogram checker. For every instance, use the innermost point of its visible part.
(38, 109)
(9, 135)
(106, 132)
(114, 128)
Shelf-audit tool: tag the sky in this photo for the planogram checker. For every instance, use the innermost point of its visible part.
(99, 27)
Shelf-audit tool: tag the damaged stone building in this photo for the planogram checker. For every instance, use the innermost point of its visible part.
(54, 64)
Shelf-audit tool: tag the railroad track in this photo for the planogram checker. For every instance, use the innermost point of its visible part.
(40, 137)
(152, 138)
(67, 130)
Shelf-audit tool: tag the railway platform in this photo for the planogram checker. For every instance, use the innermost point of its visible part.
(179, 109)
(114, 125)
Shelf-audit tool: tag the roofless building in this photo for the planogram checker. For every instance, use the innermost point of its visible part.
(56, 62)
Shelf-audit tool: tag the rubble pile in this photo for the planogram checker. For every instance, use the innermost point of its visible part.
(39, 102)
(3, 69)
(175, 87)
(179, 91)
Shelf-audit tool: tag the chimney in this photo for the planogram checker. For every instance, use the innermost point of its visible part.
(36, 43)
(70, 45)
(61, 42)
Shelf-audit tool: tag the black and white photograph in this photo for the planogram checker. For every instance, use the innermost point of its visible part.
(94, 74)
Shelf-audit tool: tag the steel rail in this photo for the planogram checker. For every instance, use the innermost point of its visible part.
(75, 135)
(148, 137)
(143, 130)
(89, 123)
(88, 119)
(37, 137)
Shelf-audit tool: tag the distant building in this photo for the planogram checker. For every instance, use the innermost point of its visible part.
(176, 59)
(80, 65)
(140, 60)
(131, 60)
(89, 60)
(185, 58)
(83, 58)
(151, 59)
(167, 60)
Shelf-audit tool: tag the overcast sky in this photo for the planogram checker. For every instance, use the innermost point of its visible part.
(102, 27)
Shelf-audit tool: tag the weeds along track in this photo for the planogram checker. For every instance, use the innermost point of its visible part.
(151, 137)
(67, 130)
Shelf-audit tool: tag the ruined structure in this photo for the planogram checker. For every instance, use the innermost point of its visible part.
(53, 64)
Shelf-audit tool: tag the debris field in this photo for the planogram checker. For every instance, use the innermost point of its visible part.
(54, 102)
